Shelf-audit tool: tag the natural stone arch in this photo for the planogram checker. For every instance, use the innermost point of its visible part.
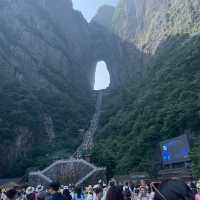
(102, 76)
(113, 72)
(105, 47)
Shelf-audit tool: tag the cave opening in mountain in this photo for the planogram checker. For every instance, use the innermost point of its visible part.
(102, 76)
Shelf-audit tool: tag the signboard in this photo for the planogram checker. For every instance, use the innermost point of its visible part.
(175, 150)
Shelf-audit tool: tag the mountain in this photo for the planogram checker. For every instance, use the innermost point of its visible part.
(149, 22)
(104, 16)
(48, 56)
(44, 47)
(164, 102)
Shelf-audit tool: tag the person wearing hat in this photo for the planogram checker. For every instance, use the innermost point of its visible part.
(40, 193)
(89, 195)
(39, 188)
(30, 195)
(72, 189)
(105, 189)
(54, 192)
(114, 192)
(98, 192)
(11, 194)
(78, 194)
(30, 190)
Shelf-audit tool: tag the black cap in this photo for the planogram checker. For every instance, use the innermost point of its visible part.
(11, 193)
(54, 186)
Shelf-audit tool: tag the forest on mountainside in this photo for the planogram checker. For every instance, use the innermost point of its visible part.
(163, 105)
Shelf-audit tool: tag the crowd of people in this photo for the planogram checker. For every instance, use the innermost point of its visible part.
(100, 191)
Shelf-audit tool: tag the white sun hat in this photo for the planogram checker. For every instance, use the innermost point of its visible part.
(104, 185)
(100, 181)
(30, 190)
(125, 188)
(96, 186)
(65, 187)
(39, 188)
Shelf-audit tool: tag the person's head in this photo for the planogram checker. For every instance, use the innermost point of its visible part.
(54, 187)
(114, 193)
(90, 189)
(39, 188)
(142, 183)
(104, 186)
(143, 191)
(98, 191)
(30, 190)
(112, 182)
(100, 182)
(78, 191)
(11, 194)
(41, 195)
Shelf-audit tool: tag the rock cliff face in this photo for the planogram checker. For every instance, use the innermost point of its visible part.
(44, 62)
(46, 37)
(149, 22)
(48, 55)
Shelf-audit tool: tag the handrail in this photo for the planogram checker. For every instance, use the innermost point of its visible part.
(67, 161)
(39, 173)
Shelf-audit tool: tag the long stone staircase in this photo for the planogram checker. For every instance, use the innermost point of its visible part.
(75, 170)
(84, 150)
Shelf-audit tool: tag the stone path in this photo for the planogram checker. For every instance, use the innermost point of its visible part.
(88, 140)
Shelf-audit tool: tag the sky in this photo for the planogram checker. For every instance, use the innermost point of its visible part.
(102, 77)
(90, 7)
